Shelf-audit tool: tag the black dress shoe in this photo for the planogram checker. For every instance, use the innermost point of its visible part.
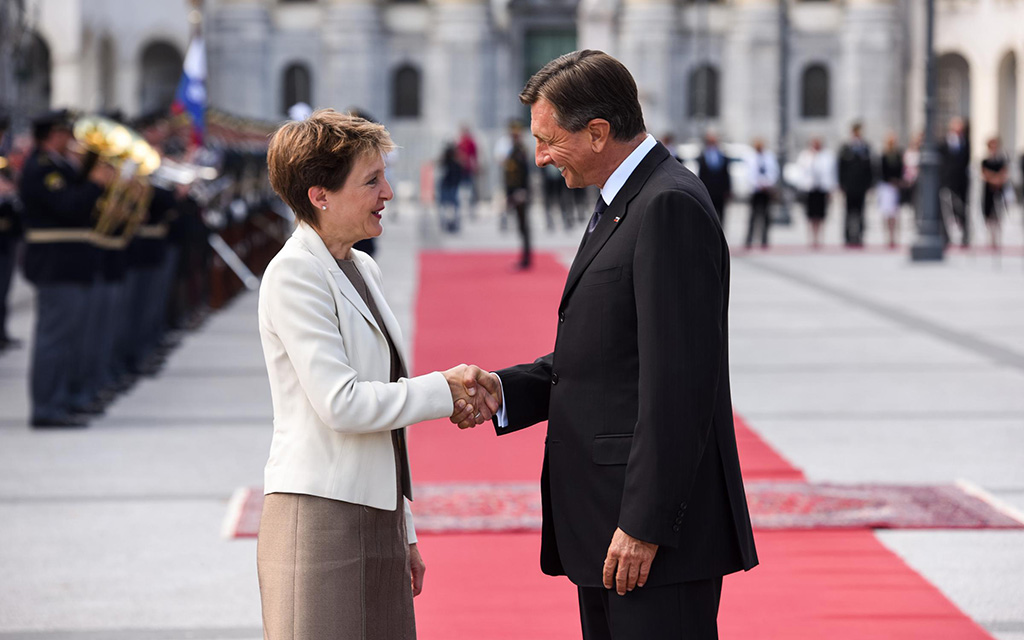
(94, 408)
(66, 422)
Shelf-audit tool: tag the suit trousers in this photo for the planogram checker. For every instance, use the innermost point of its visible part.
(759, 221)
(56, 351)
(854, 222)
(87, 378)
(684, 611)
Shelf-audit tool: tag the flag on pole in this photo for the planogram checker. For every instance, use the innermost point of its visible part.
(190, 98)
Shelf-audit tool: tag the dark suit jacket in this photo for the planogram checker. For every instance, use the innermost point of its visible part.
(636, 392)
(856, 169)
(956, 166)
(717, 180)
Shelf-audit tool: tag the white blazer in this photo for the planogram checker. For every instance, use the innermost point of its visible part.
(329, 368)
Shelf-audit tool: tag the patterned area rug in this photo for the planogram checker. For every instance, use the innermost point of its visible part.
(515, 507)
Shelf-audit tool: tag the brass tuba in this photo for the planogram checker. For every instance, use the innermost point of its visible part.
(125, 203)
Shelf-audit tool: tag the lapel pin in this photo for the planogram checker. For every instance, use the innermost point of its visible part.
(617, 218)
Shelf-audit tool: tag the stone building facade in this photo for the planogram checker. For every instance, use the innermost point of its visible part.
(426, 67)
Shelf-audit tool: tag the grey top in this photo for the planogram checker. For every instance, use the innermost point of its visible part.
(350, 270)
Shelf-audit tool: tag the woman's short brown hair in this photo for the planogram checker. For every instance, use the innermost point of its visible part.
(588, 84)
(319, 152)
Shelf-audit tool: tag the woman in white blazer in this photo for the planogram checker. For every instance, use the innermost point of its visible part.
(337, 555)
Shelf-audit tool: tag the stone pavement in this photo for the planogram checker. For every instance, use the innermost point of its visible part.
(856, 366)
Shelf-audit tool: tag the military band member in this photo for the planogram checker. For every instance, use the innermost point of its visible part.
(62, 262)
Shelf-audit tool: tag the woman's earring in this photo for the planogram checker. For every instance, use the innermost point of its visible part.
(324, 207)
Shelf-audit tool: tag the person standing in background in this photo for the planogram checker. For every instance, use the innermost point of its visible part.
(956, 168)
(911, 169)
(10, 230)
(448, 188)
(764, 174)
(556, 195)
(890, 182)
(713, 171)
(995, 173)
(467, 154)
(856, 177)
(515, 169)
(818, 169)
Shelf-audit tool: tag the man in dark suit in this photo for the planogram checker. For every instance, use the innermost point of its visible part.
(643, 503)
(713, 171)
(956, 169)
(856, 177)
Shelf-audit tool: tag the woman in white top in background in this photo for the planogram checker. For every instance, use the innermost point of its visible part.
(889, 185)
(818, 167)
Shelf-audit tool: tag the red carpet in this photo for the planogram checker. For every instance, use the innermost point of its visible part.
(833, 584)
(485, 586)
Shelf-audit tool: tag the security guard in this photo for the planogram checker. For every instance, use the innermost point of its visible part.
(61, 261)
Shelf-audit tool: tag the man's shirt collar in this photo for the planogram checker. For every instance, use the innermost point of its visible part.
(618, 179)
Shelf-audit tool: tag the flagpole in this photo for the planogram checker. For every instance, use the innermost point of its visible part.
(195, 17)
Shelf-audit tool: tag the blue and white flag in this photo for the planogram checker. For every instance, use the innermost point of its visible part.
(190, 98)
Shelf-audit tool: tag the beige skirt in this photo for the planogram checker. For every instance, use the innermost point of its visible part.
(332, 570)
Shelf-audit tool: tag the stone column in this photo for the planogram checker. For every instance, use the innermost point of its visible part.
(983, 69)
(460, 80)
(237, 41)
(648, 46)
(595, 26)
(355, 75)
(62, 27)
(750, 73)
(869, 83)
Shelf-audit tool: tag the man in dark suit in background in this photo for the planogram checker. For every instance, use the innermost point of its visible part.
(956, 169)
(856, 177)
(644, 508)
(713, 171)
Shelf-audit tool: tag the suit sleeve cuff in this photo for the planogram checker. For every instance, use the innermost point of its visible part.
(501, 417)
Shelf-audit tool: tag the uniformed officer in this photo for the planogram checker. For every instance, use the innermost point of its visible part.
(10, 232)
(61, 261)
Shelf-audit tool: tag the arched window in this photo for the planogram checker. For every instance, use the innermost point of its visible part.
(161, 72)
(405, 92)
(703, 92)
(298, 86)
(814, 92)
(953, 89)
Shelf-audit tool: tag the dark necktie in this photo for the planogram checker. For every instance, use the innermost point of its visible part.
(594, 219)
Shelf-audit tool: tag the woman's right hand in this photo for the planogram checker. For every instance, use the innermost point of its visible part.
(476, 395)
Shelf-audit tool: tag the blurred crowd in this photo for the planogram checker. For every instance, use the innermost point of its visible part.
(129, 233)
(849, 179)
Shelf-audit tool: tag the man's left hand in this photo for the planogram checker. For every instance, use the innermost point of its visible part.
(628, 562)
(418, 569)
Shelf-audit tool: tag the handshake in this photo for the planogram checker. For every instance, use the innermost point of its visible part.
(476, 395)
